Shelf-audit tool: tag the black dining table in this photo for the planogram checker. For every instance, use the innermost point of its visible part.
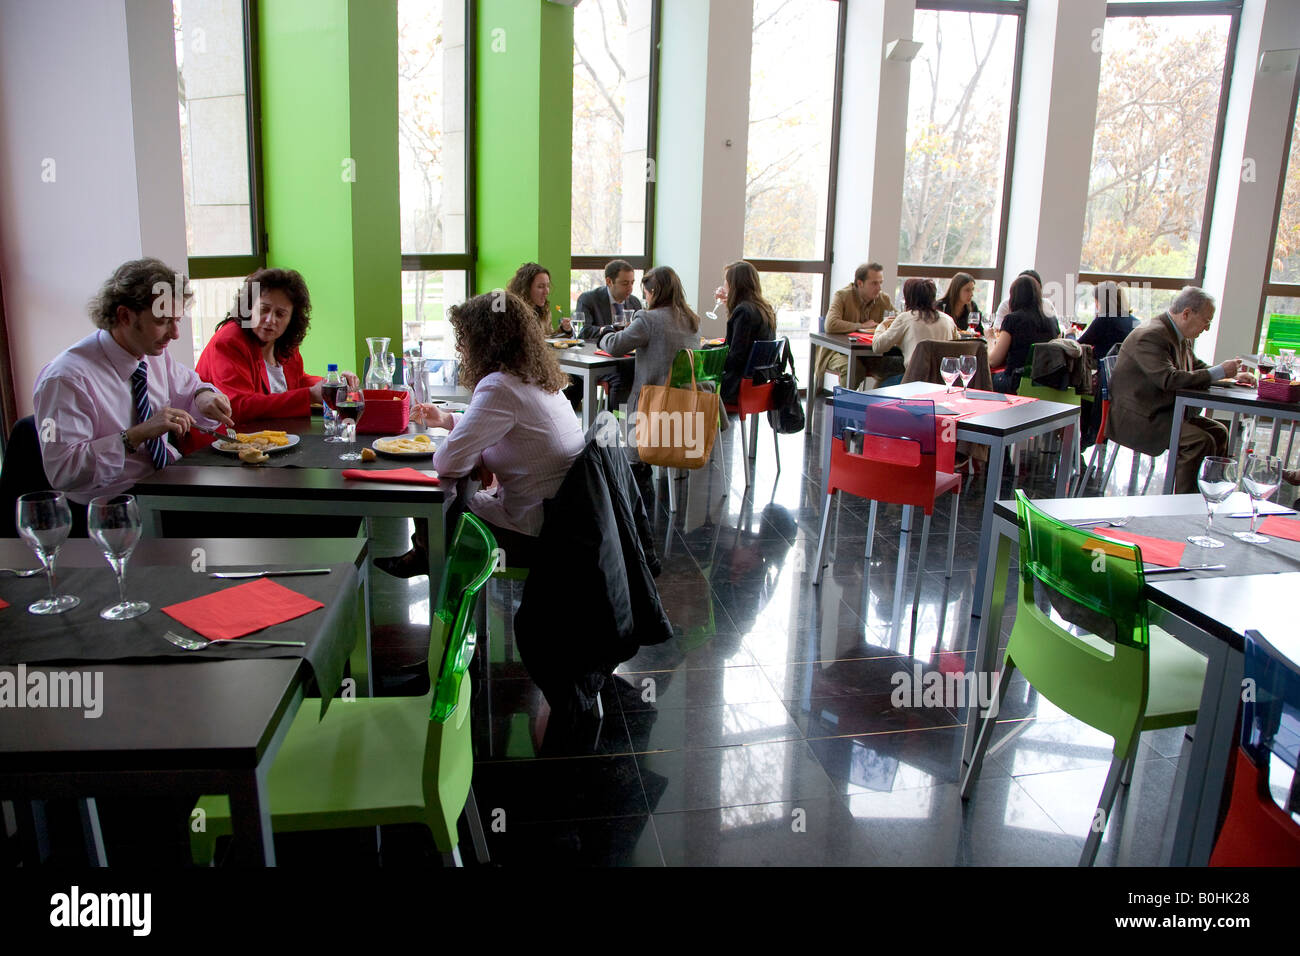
(304, 480)
(1209, 610)
(1240, 400)
(169, 721)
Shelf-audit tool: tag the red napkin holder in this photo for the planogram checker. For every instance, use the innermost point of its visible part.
(1276, 391)
(388, 412)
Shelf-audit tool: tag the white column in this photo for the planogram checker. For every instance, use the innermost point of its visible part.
(1058, 110)
(703, 136)
(873, 133)
(90, 171)
(1252, 172)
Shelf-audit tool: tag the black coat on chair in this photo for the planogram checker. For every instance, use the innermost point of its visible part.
(22, 473)
(597, 532)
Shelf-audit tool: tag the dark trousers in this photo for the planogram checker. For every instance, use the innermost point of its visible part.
(520, 549)
(1200, 437)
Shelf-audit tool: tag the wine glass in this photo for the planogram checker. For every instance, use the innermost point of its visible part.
(44, 522)
(718, 299)
(968, 366)
(577, 323)
(329, 393)
(949, 370)
(1261, 478)
(1217, 480)
(114, 523)
(351, 406)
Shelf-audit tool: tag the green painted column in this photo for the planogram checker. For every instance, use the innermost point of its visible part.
(524, 140)
(330, 167)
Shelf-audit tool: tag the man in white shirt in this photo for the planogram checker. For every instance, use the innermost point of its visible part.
(107, 406)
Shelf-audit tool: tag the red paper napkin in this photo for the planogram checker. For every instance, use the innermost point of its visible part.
(1167, 554)
(3, 604)
(241, 610)
(608, 355)
(1280, 527)
(866, 338)
(403, 476)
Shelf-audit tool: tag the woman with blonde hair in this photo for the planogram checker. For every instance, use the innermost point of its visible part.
(750, 319)
(518, 433)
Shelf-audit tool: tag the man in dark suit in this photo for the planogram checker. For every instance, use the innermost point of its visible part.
(1155, 361)
(611, 306)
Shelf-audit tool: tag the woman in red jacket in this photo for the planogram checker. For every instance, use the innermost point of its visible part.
(259, 366)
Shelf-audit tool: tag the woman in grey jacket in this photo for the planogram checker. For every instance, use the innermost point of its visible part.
(657, 333)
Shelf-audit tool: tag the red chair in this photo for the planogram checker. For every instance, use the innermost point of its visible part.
(755, 400)
(893, 450)
(1257, 831)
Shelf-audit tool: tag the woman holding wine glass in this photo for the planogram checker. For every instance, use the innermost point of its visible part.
(253, 357)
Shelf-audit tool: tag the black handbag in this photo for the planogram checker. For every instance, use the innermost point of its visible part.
(786, 415)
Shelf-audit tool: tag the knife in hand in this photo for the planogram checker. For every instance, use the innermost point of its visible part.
(225, 434)
(266, 574)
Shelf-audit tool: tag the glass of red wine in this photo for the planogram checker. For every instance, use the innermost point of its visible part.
(350, 405)
(330, 393)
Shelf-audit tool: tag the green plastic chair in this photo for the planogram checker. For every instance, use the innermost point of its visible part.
(383, 760)
(1134, 678)
(709, 364)
(1283, 333)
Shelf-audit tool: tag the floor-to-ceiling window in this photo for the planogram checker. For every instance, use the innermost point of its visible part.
(216, 64)
(1156, 146)
(1282, 291)
(615, 77)
(796, 64)
(960, 136)
(435, 146)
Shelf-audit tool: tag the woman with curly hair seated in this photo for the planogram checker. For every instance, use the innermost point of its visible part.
(532, 283)
(253, 356)
(518, 434)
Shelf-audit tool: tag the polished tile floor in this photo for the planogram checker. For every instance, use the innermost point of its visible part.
(764, 732)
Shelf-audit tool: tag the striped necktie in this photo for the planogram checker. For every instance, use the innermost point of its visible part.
(157, 447)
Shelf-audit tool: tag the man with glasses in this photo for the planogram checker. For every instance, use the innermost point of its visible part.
(1155, 361)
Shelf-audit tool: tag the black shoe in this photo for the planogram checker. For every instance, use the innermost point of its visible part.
(409, 565)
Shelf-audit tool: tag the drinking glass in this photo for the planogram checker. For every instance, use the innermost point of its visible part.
(1217, 480)
(114, 524)
(44, 522)
(577, 324)
(969, 365)
(351, 406)
(949, 371)
(1261, 478)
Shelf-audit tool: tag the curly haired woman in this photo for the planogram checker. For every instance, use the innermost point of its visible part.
(256, 361)
(518, 427)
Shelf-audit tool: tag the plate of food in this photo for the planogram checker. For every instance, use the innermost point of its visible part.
(266, 442)
(405, 446)
(565, 343)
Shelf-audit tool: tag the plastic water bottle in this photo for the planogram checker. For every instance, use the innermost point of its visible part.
(329, 390)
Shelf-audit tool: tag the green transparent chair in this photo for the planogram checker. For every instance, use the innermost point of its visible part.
(384, 760)
(1111, 669)
(1283, 333)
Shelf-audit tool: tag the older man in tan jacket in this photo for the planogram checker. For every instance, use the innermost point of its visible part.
(857, 307)
(1155, 361)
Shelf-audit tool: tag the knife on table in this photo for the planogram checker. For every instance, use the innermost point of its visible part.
(266, 574)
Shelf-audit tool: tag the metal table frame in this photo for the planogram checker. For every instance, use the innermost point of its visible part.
(850, 348)
(585, 363)
(1238, 401)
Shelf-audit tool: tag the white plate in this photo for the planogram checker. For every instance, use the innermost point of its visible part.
(221, 446)
(448, 406)
(401, 454)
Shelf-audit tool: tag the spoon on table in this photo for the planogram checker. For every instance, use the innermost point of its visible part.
(198, 643)
(1112, 522)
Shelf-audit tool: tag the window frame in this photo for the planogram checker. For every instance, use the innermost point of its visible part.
(1018, 9)
(642, 262)
(1186, 8)
(822, 266)
(233, 267)
(1271, 289)
(461, 261)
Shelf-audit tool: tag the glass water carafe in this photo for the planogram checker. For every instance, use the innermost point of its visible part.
(382, 364)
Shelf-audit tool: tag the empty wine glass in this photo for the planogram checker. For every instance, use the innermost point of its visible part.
(44, 522)
(949, 371)
(114, 523)
(1261, 478)
(969, 366)
(1217, 479)
(351, 406)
